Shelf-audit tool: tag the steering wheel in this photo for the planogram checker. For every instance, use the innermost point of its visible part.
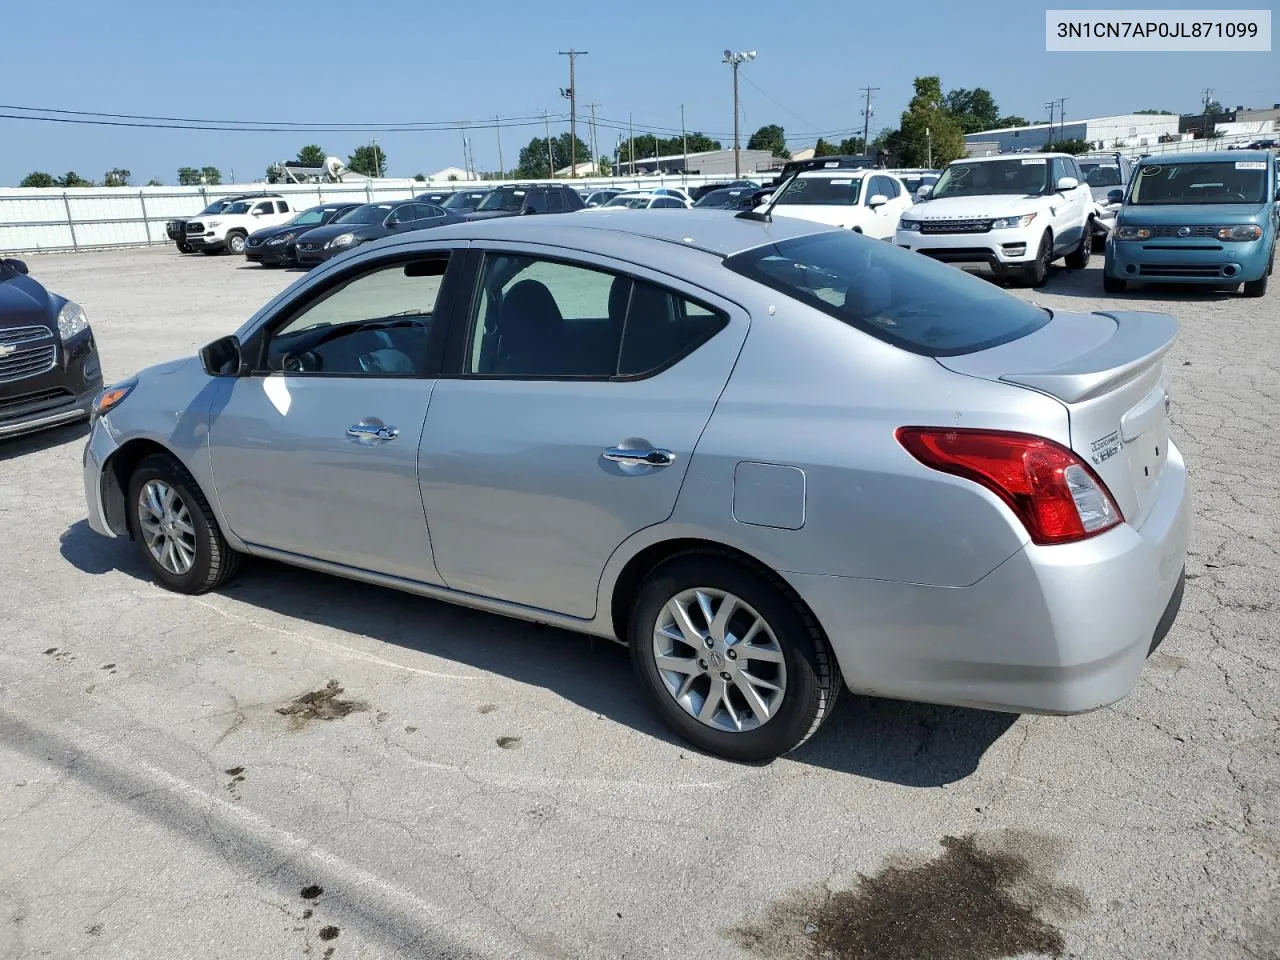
(299, 362)
(369, 363)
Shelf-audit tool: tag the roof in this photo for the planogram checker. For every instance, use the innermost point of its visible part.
(848, 173)
(613, 233)
(1046, 125)
(1208, 156)
(1013, 156)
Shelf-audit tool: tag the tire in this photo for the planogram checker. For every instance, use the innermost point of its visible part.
(1258, 288)
(1114, 284)
(212, 253)
(212, 562)
(1078, 259)
(183, 246)
(798, 660)
(235, 243)
(1038, 272)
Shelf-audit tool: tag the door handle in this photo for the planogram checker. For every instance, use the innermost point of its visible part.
(369, 431)
(640, 458)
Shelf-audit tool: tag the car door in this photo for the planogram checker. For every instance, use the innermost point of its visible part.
(579, 388)
(315, 452)
(1068, 209)
(880, 221)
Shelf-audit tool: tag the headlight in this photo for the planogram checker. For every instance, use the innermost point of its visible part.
(343, 240)
(1129, 232)
(276, 241)
(71, 321)
(911, 226)
(111, 397)
(1243, 231)
(213, 223)
(1013, 223)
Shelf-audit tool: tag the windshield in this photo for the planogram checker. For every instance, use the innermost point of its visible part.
(365, 213)
(216, 207)
(720, 198)
(1211, 181)
(504, 199)
(1100, 174)
(240, 206)
(462, 200)
(631, 201)
(314, 215)
(1023, 177)
(902, 298)
(821, 191)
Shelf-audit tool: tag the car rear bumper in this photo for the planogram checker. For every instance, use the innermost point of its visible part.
(1161, 261)
(1054, 629)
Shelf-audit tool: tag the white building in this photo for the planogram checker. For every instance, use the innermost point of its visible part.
(449, 173)
(1103, 133)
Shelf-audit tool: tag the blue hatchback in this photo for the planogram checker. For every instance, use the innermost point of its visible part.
(1208, 218)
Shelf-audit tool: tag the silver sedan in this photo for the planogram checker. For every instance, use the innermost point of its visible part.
(773, 458)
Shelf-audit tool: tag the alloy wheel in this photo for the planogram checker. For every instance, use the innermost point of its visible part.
(719, 660)
(236, 242)
(166, 527)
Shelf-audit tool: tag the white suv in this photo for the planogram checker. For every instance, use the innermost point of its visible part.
(1013, 215)
(865, 201)
(227, 230)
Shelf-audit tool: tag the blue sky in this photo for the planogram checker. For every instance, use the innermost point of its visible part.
(398, 60)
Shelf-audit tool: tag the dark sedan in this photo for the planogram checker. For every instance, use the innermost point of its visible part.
(729, 198)
(369, 221)
(464, 201)
(49, 369)
(277, 246)
(700, 191)
(521, 198)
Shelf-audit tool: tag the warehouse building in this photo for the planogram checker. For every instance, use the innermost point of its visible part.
(1103, 133)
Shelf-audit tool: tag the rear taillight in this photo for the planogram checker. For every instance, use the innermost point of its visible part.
(1053, 492)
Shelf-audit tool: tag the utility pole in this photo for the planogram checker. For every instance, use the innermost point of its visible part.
(1207, 95)
(595, 143)
(377, 160)
(1062, 117)
(1049, 106)
(572, 94)
(497, 127)
(631, 143)
(551, 159)
(736, 60)
(684, 141)
(866, 117)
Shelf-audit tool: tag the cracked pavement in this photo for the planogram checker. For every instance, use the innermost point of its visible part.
(589, 832)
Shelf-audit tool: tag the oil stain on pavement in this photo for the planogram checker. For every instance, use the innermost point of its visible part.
(322, 704)
(977, 900)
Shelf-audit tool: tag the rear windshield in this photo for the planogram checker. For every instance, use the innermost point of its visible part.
(821, 191)
(902, 298)
(1217, 181)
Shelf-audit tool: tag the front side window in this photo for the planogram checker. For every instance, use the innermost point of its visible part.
(366, 213)
(543, 318)
(1217, 181)
(239, 207)
(374, 324)
(503, 199)
(1016, 177)
(821, 191)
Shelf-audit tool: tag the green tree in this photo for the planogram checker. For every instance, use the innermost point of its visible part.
(38, 178)
(312, 155)
(153, 182)
(1212, 107)
(604, 166)
(929, 135)
(211, 175)
(420, 177)
(116, 177)
(73, 179)
(1160, 113)
(973, 110)
(824, 149)
(851, 147)
(770, 137)
(272, 174)
(190, 177)
(649, 146)
(533, 161)
(1076, 146)
(1012, 120)
(370, 160)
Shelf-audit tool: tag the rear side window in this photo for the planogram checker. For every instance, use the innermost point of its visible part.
(281, 207)
(902, 298)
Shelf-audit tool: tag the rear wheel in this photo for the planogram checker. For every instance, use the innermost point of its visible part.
(731, 660)
(1078, 259)
(235, 243)
(1114, 284)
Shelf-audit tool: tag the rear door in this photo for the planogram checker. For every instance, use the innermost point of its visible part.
(579, 388)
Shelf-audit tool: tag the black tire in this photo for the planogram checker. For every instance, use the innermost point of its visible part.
(1078, 259)
(214, 562)
(1037, 273)
(234, 243)
(1258, 288)
(183, 246)
(1114, 284)
(812, 679)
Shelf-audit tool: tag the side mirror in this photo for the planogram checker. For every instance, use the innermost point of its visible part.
(1068, 183)
(1115, 196)
(257, 213)
(223, 358)
(924, 190)
(18, 265)
(878, 200)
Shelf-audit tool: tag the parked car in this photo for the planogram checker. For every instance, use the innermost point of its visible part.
(277, 246)
(842, 161)
(702, 189)
(1012, 216)
(599, 197)
(643, 200)
(436, 198)
(366, 223)
(1264, 145)
(228, 229)
(728, 198)
(560, 419)
(1108, 179)
(463, 201)
(176, 230)
(49, 368)
(680, 193)
(524, 198)
(913, 180)
(1198, 218)
(865, 201)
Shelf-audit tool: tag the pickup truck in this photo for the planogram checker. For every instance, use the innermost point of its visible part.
(177, 229)
(228, 229)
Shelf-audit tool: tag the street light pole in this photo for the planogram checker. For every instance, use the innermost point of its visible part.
(572, 95)
(736, 60)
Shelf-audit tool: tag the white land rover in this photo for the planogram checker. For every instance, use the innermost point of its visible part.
(1012, 215)
(865, 201)
(227, 230)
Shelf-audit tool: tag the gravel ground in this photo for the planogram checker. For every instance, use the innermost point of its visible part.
(479, 787)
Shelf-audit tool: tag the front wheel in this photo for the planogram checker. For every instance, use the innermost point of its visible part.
(235, 243)
(173, 524)
(1114, 284)
(183, 246)
(1258, 288)
(1078, 259)
(1038, 271)
(732, 662)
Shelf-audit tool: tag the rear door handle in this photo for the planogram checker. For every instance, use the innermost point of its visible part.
(640, 458)
(370, 431)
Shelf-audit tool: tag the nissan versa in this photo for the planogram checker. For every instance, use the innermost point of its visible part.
(774, 458)
(1208, 218)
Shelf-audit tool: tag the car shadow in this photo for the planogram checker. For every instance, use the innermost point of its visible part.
(44, 440)
(911, 744)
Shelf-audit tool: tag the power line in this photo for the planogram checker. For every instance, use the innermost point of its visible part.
(318, 129)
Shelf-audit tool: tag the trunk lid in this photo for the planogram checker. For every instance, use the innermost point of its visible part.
(1107, 369)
